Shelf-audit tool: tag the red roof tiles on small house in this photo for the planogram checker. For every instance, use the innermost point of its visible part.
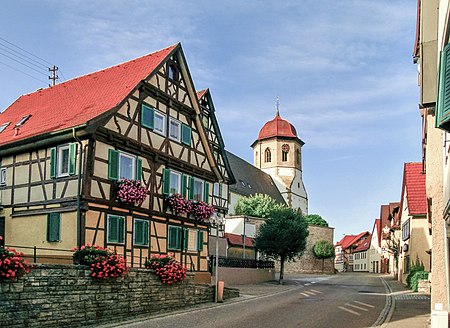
(363, 245)
(236, 240)
(77, 101)
(414, 184)
(201, 93)
(351, 240)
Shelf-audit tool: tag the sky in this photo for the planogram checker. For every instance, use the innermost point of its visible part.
(343, 71)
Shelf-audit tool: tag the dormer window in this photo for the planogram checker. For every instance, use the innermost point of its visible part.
(22, 121)
(4, 126)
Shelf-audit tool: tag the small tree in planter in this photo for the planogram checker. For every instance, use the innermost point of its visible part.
(166, 268)
(12, 264)
(322, 250)
(131, 192)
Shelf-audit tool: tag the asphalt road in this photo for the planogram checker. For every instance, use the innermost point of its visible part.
(349, 300)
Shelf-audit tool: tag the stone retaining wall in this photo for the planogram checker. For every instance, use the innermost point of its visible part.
(65, 295)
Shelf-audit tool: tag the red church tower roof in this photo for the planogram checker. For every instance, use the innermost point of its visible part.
(277, 127)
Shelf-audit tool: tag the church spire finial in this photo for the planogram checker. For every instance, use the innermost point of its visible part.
(278, 106)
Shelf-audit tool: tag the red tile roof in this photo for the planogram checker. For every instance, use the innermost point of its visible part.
(77, 101)
(414, 185)
(351, 240)
(201, 93)
(236, 240)
(363, 245)
(277, 127)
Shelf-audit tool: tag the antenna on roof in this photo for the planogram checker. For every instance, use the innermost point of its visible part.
(54, 76)
(277, 103)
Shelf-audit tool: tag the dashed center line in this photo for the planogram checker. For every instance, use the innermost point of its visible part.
(357, 307)
(365, 304)
(348, 310)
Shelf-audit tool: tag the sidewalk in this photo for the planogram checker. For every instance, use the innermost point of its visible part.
(408, 309)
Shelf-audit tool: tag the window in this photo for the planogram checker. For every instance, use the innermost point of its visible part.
(406, 264)
(174, 237)
(141, 228)
(192, 239)
(443, 99)
(172, 72)
(3, 176)
(63, 160)
(186, 134)
(175, 183)
(284, 156)
(147, 116)
(53, 227)
(267, 155)
(205, 121)
(198, 190)
(405, 230)
(174, 129)
(22, 120)
(123, 166)
(4, 126)
(116, 229)
(160, 123)
(217, 189)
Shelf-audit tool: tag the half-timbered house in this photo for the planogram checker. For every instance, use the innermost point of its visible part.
(63, 150)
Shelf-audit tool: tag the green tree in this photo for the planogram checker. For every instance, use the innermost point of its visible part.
(316, 219)
(256, 205)
(282, 237)
(322, 250)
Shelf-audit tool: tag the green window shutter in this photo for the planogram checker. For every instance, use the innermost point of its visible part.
(166, 182)
(138, 169)
(186, 238)
(147, 116)
(113, 164)
(53, 227)
(138, 232)
(121, 223)
(53, 162)
(443, 100)
(200, 241)
(113, 231)
(146, 227)
(72, 158)
(206, 192)
(186, 134)
(191, 188)
(184, 187)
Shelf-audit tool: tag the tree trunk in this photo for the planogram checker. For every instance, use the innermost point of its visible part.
(323, 264)
(282, 259)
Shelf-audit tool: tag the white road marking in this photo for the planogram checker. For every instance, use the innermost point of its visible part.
(348, 310)
(365, 304)
(304, 294)
(357, 307)
(309, 293)
(308, 284)
(316, 291)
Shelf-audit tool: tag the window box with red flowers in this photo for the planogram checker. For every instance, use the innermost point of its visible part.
(131, 192)
(166, 268)
(202, 211)
(178, 204)
(12, 264)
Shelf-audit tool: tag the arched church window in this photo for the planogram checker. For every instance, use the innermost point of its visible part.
(284, 152)
(267, 155)
(298, 156)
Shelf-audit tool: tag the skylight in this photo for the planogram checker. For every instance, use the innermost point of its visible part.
(22, 121)
(4, 126)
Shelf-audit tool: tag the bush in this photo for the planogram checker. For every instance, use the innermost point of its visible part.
(104, 263)
(415, 267)
(87, 254)
(12, 264)
(316, 219)
(166, 268)
(414, 280)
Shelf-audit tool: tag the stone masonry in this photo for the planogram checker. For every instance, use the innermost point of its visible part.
(65, 295)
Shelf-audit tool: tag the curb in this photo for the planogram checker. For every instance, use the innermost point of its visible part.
(386, 315)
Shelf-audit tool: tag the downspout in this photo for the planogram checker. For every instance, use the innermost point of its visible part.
(80, 162)
(446, 252)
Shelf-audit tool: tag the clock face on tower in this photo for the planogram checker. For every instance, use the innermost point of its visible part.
(285, 148)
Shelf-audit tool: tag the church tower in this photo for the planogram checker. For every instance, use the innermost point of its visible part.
(278, 152)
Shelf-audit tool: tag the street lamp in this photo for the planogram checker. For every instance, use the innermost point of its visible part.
(218, 224)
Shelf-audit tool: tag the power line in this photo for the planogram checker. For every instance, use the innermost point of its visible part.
(30, 67)
(18, 70)
(24, 57)
(26, 51)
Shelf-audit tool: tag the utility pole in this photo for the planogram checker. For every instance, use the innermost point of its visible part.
(54, 76)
